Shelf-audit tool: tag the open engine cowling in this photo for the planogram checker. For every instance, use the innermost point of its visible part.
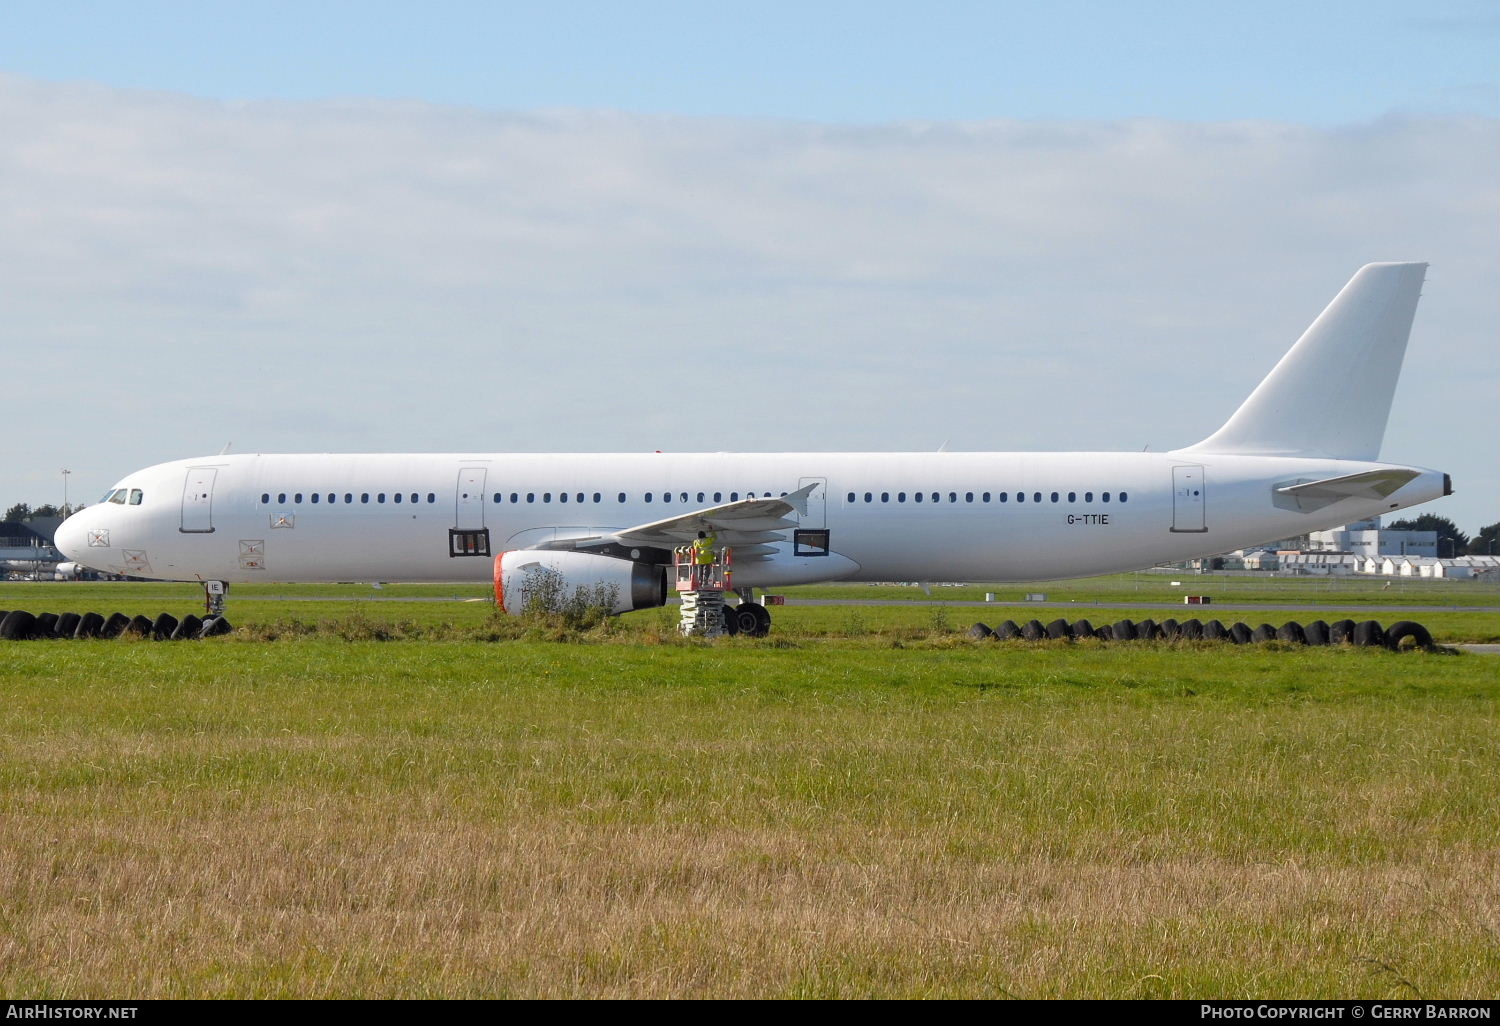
(525, 578)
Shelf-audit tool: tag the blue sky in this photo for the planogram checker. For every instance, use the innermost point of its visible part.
(485, 227)
(1323, 63)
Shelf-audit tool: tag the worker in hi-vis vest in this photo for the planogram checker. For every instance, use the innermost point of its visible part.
(703, 550)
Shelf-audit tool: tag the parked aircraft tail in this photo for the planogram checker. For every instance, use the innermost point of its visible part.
(1331, 393)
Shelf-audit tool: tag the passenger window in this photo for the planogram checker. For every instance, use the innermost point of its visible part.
(666, 496)
(1088, 496)
(265, 498)
(700, 496)
(647, 496)
(868, 496)
(1036, 496)
(1104, 497)
(497, 497)
(1123, 496)
(953, 497)
(546, 496)
(364, 496)
(622, 497)
(1054, 496)
(1072, 496)
(515, 497)
(885, 496)
(297, 497)
(968, 496)
(917, 496)
(718, 496)
(349, 497)
(580, 496)
(380, 497)
(986, 497)
(431, 497)
(531, 496)
(1020, 496)
(314, 496)
(281, 498)
(397, 496)
(734, 496)
(562, 496)
(900, 496)
(850, 498)
(413, 496)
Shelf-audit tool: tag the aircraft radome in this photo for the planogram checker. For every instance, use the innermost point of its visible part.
(1300, 454)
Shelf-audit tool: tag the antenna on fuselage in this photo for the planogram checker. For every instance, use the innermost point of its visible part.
(225, 451)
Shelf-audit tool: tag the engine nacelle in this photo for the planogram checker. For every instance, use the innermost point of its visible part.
(528, 577)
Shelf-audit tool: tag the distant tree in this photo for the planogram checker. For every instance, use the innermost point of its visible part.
(1487, 541)
(1451, 541)
(45, 510)
(20, 511)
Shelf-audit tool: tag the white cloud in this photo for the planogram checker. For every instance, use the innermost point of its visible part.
(397, 276)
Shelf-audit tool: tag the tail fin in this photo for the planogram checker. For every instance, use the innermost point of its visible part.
(1331, 393)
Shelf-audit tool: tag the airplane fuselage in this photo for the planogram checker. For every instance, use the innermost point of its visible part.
(949, 516)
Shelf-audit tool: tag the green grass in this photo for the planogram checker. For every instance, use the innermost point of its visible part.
(865, 804)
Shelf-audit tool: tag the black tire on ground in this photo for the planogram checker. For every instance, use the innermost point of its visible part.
(1190, 630)
(1083, 629)
(1316, 632)
(1057, 630)
(67, 625)
(1240, 633)
(731, 624)
(18, 625)
(89, 626)
(216, 625)
(117, 624)
(1214, 631)
(188, 629)
(745, 619)
(46, 625)
(1341, 632)
(1291, 632)
(1367, 634)
(1148, 630)
(1033, 630)
(981, 631)
(762, 619)
(1104, 632)
(139, 627)
(1262, 634)
(1123, 630)
(1404, 630)
(163, 626)
(1170, 628)
(1008, 631)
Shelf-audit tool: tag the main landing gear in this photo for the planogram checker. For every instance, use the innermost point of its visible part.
(749, 618)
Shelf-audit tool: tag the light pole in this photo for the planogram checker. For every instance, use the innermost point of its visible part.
(65, 474)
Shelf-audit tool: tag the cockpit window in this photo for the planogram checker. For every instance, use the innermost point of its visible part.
(135, 496)
(118, 496)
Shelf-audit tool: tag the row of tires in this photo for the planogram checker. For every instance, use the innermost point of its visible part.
(19, 625)
(1368, 633)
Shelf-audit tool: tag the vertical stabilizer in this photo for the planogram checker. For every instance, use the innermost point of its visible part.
(1331, 394)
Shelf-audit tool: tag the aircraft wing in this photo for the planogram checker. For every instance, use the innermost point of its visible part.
(747, 526)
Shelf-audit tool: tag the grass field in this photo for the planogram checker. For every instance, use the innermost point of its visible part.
(865, 804)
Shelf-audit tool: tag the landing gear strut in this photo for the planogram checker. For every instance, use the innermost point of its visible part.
(214, 594)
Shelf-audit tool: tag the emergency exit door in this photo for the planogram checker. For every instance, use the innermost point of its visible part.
(1188, 501)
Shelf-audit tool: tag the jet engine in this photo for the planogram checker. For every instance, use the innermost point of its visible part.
(527, 579)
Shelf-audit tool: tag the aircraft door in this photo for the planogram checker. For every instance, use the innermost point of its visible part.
(198, 501)
(814, 517)
(1188, 501)
(469, 499)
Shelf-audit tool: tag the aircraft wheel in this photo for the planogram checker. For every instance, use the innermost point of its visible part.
(751, 618)
(731, 622)
(18, 625)
(1401, 630)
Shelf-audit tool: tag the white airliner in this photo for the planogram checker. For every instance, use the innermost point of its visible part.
(1300, 454)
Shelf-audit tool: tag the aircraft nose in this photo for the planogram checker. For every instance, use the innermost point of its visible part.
(71, 538)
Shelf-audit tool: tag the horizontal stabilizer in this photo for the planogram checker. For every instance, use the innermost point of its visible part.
(1308, 496)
